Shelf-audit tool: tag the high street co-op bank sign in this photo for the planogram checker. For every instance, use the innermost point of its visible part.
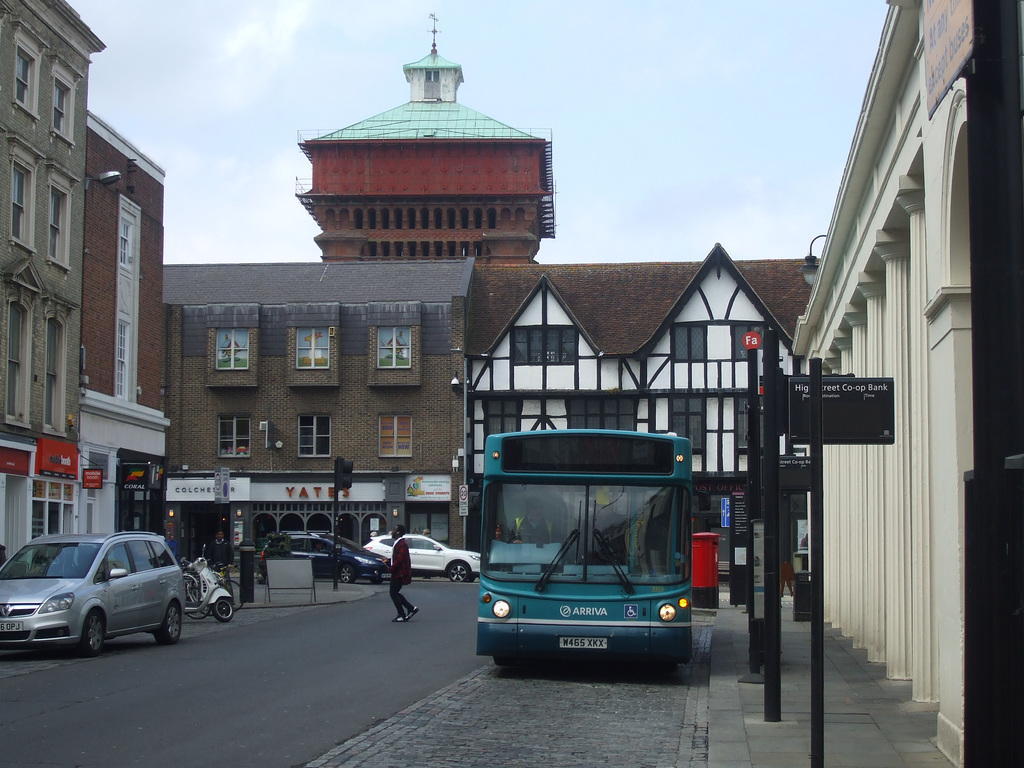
(853, 411)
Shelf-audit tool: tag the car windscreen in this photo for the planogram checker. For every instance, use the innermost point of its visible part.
(349, 544)
(70, 560)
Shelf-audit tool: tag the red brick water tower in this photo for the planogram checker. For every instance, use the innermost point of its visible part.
(430, 179)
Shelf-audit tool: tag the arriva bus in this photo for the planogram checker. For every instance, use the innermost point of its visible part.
(585, 547)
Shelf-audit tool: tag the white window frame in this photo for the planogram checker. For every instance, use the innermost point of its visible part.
(312, 434)
(229, 342)
(389, 341)
(127, 242)
(54, 364)
(122, 360)
(17, 369)
(23, 206)
(63, 122)
(59, 234)
(314, 353)
(26, 78)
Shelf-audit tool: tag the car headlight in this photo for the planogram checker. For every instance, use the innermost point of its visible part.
(501, 608)
(58, 603)
(475, 556)
(366, 560)
(666, 612)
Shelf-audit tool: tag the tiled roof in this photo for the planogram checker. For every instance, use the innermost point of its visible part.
(621, 306)
(427, 120)
(312, 282)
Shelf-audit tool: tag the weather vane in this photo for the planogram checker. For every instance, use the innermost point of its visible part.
(433, 47)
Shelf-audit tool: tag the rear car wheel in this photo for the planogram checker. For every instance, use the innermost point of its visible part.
(346, 573)
(459, 571)
(93, 630)
(170, 631)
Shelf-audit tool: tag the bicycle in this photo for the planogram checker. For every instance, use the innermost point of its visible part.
(232, 586)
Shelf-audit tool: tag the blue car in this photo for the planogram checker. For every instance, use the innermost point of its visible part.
(354, 562)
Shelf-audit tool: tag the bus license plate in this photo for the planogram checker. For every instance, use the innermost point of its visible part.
(10, 626)
(585, 643)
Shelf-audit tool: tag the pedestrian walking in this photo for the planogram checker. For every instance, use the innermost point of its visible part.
(401, 574)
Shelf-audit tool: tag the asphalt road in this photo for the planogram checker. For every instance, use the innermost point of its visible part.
(275, 686)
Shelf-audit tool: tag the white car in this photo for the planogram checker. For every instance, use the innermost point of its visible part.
(431, 558)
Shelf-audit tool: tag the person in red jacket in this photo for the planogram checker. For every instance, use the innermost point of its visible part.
(401, 574)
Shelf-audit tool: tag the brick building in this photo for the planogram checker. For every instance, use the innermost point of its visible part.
(122, 426)
(273, 370)
(44, 57)
(431, 179)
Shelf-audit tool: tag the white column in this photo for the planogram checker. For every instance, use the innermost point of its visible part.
(856, 574)
(873, 287)
(897, 531)
(923, 649)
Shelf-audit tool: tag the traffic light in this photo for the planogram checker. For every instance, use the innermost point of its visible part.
(342, 473)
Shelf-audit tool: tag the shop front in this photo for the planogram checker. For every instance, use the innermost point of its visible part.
(15, 490)
(55, 487)
(194, 514)
(140, 493)
(427, 503)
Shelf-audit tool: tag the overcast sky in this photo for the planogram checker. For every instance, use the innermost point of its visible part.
(675, 125)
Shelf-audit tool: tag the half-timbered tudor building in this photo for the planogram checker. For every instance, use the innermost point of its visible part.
(653, 347)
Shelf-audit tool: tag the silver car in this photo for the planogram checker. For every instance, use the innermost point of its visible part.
(81, 589)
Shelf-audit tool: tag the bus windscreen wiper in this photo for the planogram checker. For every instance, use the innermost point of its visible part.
(569, 541)
(606, 550)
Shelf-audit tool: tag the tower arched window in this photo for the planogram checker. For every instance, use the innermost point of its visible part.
(372, 218)
(464, 218)
(451, 218)
(478, 218)
(398, 218)
(424, 218)
(385, 218)
(438, 218)
(492, 218)
(358, 218)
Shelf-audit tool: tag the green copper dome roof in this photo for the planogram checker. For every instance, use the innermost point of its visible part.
(427, 120)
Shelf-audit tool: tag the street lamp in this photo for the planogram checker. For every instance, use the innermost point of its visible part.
(810, 267)
(106, 178)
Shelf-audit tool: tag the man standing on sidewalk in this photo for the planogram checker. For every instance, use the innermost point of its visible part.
(401, 574)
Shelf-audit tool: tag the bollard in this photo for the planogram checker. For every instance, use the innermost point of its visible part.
(247, 571)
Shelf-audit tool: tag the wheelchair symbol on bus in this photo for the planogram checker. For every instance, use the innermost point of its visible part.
(632, 610)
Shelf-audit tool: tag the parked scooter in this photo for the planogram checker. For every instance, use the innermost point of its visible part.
(205, 592)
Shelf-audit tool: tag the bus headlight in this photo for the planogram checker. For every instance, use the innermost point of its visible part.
(501, 608)
(666, 612)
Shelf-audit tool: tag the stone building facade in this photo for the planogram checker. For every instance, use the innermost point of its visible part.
(45, 50)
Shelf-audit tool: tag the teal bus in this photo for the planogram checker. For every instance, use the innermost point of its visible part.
(585, 547)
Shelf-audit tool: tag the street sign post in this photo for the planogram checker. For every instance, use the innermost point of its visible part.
(853, 411)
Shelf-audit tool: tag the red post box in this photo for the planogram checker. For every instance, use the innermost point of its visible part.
(705, 570)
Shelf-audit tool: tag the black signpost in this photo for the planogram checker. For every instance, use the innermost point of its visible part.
(838, 410)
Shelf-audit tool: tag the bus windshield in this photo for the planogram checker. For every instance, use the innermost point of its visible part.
(599, 533)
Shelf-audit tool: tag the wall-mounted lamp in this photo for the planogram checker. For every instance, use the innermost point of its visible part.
(456, 385)
(455, 463)
(238, 513)
(810, 267)
(394, 512)
(279, 445)
(106, 178)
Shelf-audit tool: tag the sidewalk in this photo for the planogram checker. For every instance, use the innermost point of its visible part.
(869, 720)
(325, 594)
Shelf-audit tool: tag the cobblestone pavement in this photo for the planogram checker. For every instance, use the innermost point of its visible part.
(557, 716)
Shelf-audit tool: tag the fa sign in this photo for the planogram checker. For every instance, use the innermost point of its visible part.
(752, 340)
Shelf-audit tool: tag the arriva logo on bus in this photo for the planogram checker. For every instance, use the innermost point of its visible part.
(568, 610)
